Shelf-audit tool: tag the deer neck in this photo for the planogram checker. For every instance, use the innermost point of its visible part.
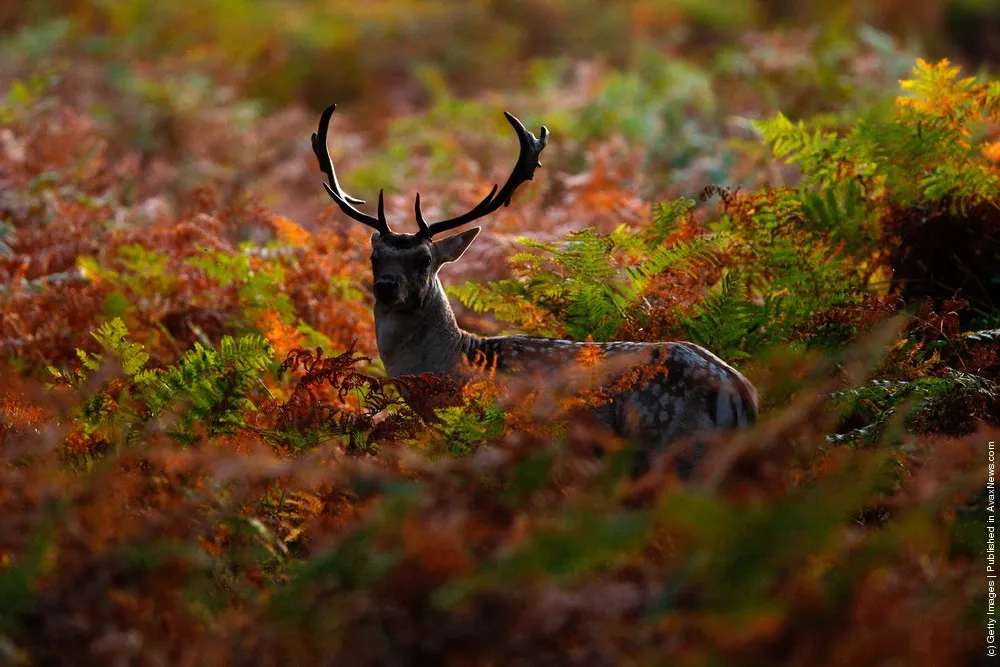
(424, 340)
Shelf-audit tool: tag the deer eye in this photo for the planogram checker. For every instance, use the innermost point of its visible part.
(423, 261)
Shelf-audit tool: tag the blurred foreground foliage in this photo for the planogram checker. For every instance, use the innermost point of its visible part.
(202, 462)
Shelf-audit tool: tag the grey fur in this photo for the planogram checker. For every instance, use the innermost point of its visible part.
(417, 333)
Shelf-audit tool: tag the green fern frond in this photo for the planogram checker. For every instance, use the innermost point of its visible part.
(213, 385)
(589, 283)
(731, 325)
(113, 338)
(923, 153)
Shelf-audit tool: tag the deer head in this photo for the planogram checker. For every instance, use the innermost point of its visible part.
(405, 266)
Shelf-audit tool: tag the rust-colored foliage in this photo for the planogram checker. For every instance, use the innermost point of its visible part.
(344, 518)
(844, 322)
(333, 398)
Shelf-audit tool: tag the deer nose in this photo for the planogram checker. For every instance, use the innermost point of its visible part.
(386, 291)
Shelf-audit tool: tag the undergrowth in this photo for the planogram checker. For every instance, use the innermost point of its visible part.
(202, 461)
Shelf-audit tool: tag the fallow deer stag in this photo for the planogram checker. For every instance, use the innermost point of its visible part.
(688, 390)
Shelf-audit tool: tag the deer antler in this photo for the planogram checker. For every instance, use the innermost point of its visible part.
(344, 200)
(524, 170)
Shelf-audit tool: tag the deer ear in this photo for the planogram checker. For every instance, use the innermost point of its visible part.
(453, 247)
(374, 237)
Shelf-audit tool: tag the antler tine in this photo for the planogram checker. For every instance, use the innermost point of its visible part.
(343, 200)
(524, 170)
(424, 229)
